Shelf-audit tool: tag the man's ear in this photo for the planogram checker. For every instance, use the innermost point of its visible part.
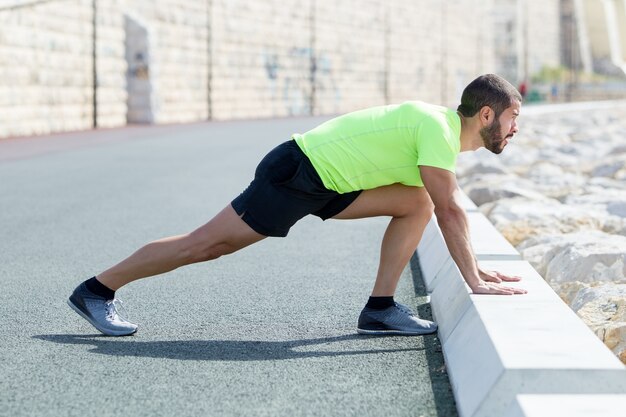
(486, 115)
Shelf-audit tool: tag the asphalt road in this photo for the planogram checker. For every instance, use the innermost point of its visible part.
(268, 331)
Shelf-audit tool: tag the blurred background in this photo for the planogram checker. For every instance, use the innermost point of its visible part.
(69, 65)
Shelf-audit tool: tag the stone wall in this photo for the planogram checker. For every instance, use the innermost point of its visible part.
(527, 37)
(261, 58)
(174, 63)
(167, 61)
(543, 34)
(45, 68)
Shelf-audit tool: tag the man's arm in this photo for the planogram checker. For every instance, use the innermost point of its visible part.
(443, 190)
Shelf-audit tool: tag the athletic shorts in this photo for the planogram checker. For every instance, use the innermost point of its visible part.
(286, 188)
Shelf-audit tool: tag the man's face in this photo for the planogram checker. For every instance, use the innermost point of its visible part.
(496, 135)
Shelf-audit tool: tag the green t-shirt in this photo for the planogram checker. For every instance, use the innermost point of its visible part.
(383, 145)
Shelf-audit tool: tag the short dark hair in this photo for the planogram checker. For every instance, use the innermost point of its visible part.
(488, 90)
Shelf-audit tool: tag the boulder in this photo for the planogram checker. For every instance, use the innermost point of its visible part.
(559, 186)
(609, 168)
(586, 257)
(599, 259)
(521, 218)
(599, 200)
(599, 185)
(491, 187)
(540, 249)
(603, 309)
(618, 149)
(479, 167)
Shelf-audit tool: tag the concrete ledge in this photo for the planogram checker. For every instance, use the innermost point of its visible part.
(501, 349)
(569, 406)
(467, 203)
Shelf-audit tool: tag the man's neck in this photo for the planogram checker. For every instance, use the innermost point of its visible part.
(470, 133)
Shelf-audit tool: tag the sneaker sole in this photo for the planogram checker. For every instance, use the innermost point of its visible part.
(398, 332)
(94, 324)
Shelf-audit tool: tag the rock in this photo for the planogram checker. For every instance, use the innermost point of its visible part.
(479, 162)
(543, 170)
(521, 218)
(603, 309)
(597, 200)
(517, 158)
(484, 167)
(539, 250)
(617, 208)
(621, 175)
(559, 186)
(585, 257)
(609, 167)
(618, 149)
(569, 290)
(592, 260)
(611, 202)
(570, 162)
(602, 292)
(492, 187)
(599, 185)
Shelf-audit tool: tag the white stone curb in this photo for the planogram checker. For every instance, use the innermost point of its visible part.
(514, 355)
(569, 405)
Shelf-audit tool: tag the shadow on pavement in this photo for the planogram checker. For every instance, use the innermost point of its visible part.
(213, 350)
(444, 398)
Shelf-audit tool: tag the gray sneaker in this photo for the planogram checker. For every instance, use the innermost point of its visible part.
(397, 319)
(100, 312)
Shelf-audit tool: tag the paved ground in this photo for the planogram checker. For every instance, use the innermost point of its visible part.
(269, 331)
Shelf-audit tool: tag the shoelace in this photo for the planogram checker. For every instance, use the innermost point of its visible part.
(404, 309)
(113, 308)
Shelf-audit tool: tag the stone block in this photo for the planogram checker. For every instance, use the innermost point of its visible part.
(520, 345)
(564, 405)
(487, 242)
(432, 254)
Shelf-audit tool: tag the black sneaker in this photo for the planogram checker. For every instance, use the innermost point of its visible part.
(100, 312)
(397, 319)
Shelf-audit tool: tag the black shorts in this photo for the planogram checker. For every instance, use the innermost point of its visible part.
(286, 188)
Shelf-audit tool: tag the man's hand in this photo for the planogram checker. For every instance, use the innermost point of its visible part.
(491, 281)
(484, 287)
(495, 276)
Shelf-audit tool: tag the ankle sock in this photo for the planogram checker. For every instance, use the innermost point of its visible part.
(99, 288)
(379, 303)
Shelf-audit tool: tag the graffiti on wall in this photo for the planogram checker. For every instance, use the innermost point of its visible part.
(325, 82)
(291, 84)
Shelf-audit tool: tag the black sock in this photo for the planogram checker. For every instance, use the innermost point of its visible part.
(99, 288)
(379, 303)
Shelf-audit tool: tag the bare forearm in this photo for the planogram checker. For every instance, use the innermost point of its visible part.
(445, 195)
(454, 226)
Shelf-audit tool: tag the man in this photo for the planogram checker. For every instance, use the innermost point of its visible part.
(395, 160)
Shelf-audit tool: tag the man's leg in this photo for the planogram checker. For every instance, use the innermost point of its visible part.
(94, 298)
(410, 209)
(224, 234)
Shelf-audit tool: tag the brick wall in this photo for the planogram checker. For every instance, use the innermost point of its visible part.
(167, 61)
(544, 43)
(45, 72)
(261, 58)
(527, 37)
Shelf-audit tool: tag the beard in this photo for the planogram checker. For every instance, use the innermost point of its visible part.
(492, 137)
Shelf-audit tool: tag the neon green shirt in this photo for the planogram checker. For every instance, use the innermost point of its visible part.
(383, 145)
